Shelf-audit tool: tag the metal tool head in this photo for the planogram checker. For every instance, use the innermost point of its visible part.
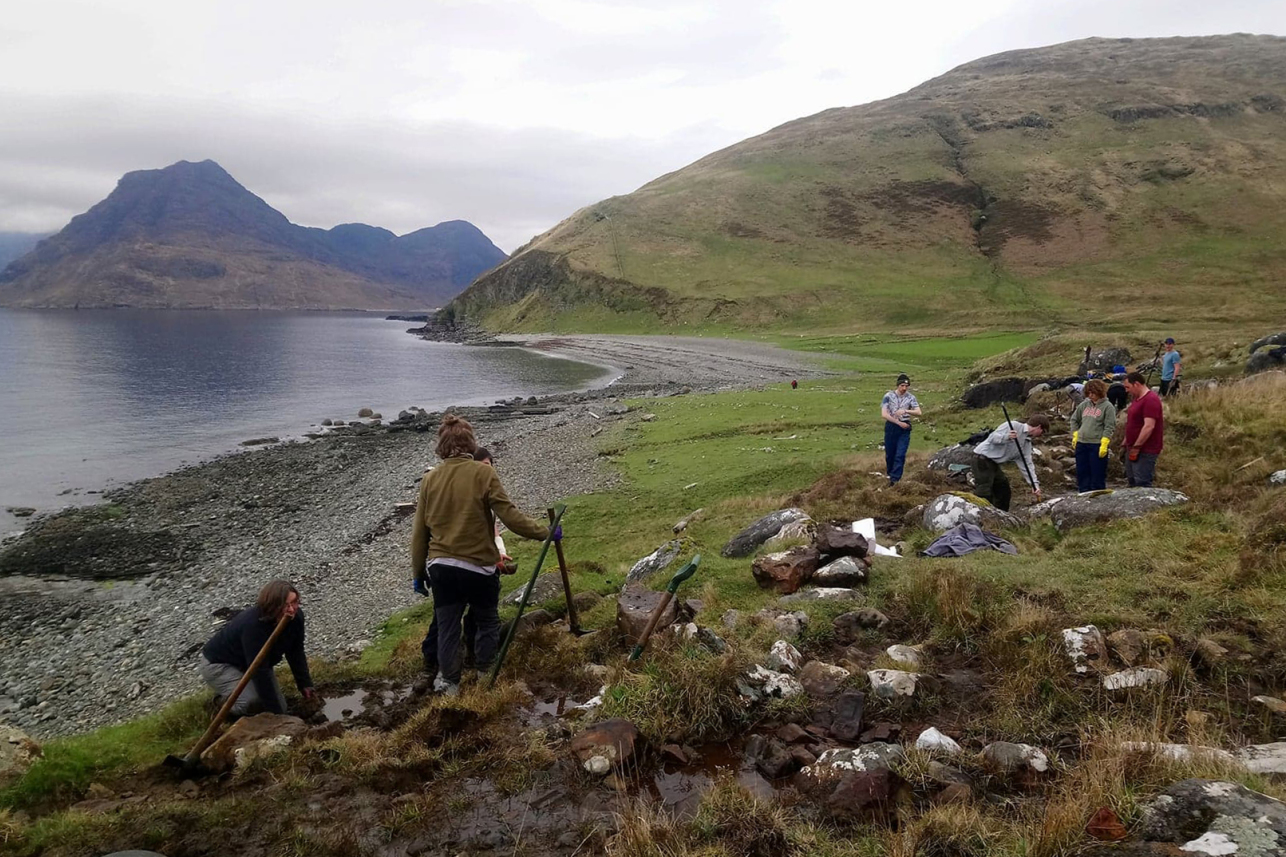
(683, 574)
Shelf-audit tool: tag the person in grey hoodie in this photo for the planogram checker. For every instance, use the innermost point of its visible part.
(1003, 445)
(1093, 423)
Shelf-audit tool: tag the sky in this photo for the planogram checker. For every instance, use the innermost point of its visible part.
(511, 114)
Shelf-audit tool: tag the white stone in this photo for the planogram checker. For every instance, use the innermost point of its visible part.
(822, 593)
(598, 765)
(1265, 758)
(868, 757)
(1077, 640)
(1278, 478)
(1211, 843)
(932, 739)
(889, 684)
(1181, 753)
(906, 655)
(1135, 677)
(260, 749)
(775, 683)
(790, 624)
(784, 658)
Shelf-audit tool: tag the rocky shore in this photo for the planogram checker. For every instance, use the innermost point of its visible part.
(107, 606)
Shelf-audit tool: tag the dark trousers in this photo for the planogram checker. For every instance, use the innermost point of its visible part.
(454, 590)
(991, 483)
(896, 442)
(1091, 471)
(1141, 473)
(1168, 387)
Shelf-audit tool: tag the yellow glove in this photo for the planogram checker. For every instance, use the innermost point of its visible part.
(1102, 447)
(1076, 436)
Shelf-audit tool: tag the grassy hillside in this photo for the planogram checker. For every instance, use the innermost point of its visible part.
(1104, 179)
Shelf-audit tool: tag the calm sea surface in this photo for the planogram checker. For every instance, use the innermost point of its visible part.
(91, 399)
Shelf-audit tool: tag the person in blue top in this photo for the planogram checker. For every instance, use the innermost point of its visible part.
(1171, 368)
(898, 404)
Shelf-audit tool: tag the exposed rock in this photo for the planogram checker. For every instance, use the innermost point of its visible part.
(1086, 648)
(250, 738)
(684, 523)
(793, 733)
(1264, 758)
(833, 542)
(946, 775)
(705, 638)
(866, 796)
(364, 413)
(907, 656)
(548, 587)
(1135, 677)
(790, 624)
(1180, 752)
(822, 593)
(953, 793)
(535, 619)
(752, 537)
(731, 619)
(634, 607)
(775, 760)
(948, 510)
(1272, 703)
(994, 392)
(847, 625)
(846, 724)
(1105, 826)
(1278, 478)
(1021, 763)
(1266, 360)
(822, 679)
(932, 739)
(845, 571)
(794, 531)
(785, 571)
(1128, 644)
(260, 441)
(958, 454)
(1271, 339)
(21, 511)
(17, 751)
(1122, 503)
(654, 562)
(835, 764)
(1212, 817)
(1103, 361)
(1209, 653)
(763, 682)
(606, 745)
(890, 684)
(783, 657)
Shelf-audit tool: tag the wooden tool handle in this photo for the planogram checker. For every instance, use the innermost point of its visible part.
(573, 622)
(651, 624)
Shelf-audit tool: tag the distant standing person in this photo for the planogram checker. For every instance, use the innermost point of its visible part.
(1171, 368)
(898, 404)
(1144, 431)
(228, 654)
(1093, 423)
(1002, 446)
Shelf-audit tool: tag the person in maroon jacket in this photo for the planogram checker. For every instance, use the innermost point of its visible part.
(1144, 431)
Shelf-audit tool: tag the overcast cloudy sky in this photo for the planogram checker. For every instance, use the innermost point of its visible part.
(508, 113)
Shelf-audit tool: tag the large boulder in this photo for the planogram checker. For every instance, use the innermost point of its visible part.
(1270, 340)
(1212, 817)
(786, 571)
(845, 571)
(993, 392)
(606, 745)
(752, 537)
(960, 453)
(251, 738)
(1115, 505)
(833, 542)
(654, 562)
(822, 679)
(1104, 360)
(1266, 360)
(634, 607)
(948, 510)
(17, 750)
(547, 587)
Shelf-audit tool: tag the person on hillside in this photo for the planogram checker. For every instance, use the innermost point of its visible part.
(228, 654)
(1093, 423)
(1171, 368)
(898, 404)
(453, 551)
(1144, 431)
(1001, 446)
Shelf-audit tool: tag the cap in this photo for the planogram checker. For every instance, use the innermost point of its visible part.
(1169, 340)
(903, 379)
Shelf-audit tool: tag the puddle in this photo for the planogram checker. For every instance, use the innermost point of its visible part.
(541, 711)
(679, 787)
(358, 703)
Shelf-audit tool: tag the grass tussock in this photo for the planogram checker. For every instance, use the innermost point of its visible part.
(730, 821)
(951, 607)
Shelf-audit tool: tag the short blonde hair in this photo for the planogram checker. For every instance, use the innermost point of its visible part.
(455, 437)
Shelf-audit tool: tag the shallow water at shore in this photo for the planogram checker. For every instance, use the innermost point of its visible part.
(92, 399)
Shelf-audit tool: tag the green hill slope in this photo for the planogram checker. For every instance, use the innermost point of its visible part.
(1101, 179)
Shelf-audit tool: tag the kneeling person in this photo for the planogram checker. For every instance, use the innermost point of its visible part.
(229, 653)
(1001, 446)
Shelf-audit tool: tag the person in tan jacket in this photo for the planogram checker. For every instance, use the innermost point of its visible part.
(453, 550)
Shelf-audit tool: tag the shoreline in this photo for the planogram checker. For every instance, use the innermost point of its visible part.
(178, 550)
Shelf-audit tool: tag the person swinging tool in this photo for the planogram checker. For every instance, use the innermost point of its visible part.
(1007, 443)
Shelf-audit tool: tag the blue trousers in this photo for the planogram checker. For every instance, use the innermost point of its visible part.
(1091, 471)
(896, 442)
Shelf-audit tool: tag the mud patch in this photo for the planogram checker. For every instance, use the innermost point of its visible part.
(679, 788)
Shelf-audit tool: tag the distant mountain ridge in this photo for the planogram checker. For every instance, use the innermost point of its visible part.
(190, 235)
(1105, 179)
(15, 244)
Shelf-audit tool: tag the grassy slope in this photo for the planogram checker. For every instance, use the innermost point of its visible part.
(863, 216)
(745, 453)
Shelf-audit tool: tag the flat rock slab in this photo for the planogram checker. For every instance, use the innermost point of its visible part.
(822, 593)
(1213, 817)
(785, 571)
(1115, 505)
(251, 737)
(960, 454)
(752, 537)
(634, 607)
(948, 510)
(654, 562)
(606, 745)
(845, 571)
(548, 587)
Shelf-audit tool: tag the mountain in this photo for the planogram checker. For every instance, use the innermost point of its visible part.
(15, 244)
(189, 235)
(1102, 180)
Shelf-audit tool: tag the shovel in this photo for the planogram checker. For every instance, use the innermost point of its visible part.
(526, 593)
(682, 575)
(192, 760)
(573, 623)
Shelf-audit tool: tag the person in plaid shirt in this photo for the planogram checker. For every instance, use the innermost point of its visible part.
(898, 404)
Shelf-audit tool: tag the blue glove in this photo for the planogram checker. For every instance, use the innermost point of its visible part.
(558, 533)
(421, 586)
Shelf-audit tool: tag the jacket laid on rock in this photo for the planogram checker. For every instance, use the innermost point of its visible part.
(1094, 421)
(239, 641)
(455, 515)
(1000, 449)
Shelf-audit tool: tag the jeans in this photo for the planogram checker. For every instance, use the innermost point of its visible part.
(1168, 387)
(1140, 473)
(454, 590)
(1091, 471)
(991, 483)
(223, 679)
(896, 442)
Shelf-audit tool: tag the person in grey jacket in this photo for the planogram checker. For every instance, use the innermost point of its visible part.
(1002, 446)
(1093, 423)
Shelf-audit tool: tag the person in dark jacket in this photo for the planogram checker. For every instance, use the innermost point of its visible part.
(228, 654)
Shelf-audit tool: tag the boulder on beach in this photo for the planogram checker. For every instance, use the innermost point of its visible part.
(1103, 506)
(752, 537)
